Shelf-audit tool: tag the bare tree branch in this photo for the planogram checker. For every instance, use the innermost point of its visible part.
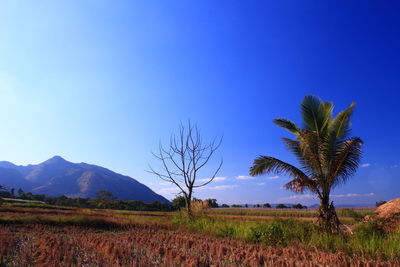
(183, 158)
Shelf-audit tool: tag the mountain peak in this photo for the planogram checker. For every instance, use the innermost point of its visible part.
(57, 176)
(55, 159)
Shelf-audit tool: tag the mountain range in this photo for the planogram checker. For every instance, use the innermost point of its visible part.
(57, 176)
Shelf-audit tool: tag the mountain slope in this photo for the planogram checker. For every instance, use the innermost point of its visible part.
(56, 177)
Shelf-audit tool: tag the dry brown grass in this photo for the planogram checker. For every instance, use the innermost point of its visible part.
(389, 209)
(127, 241)
(38, 245)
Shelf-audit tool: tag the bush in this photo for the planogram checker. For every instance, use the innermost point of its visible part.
(299, 206)
(269, 234)
(367, 230)
(226, 230)
(351, 213)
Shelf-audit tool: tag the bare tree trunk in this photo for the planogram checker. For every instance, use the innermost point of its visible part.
(328, 218)
(189, 212)
(188, 199)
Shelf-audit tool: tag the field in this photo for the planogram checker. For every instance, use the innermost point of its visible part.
(43, 235)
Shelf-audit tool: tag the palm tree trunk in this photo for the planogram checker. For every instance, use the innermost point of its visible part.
(328, 218)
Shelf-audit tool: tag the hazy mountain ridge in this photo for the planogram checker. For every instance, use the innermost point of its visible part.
(56, 176)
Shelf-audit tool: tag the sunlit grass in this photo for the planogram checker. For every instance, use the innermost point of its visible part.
(271, 230)
(367, 239)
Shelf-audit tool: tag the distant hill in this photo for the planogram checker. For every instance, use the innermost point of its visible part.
(56, 177)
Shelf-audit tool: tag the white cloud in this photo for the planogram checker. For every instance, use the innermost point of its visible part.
(273, 177)
(395, 166)
(309, 196)
(222, 187)
(216, 179)
(261, 184)
(244, 177)
(365, 165)
(295, 197)
(168, 190)
(352, 195)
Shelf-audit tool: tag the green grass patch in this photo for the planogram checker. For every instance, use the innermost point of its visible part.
(368, 239)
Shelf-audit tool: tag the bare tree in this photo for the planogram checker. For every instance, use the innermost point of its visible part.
(183, 159)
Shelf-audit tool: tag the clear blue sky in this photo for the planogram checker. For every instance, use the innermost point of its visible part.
(103, 81)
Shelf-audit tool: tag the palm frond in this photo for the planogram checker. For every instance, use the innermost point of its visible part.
(340, 126)
(326, 109)
(309, 111)
(287, 125)
(347, 158)
(316, 114)
(264, 164)
(299, 185)
(312, 147)
(293, 146)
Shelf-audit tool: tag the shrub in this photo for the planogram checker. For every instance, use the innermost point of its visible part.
(351, 213)
(226, 230)
(367, 230)
(299, 206)
(270, 234)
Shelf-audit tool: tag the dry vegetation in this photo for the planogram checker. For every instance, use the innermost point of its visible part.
(40, 236)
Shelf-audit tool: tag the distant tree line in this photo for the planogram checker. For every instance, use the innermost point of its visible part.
(103, 200)
(267, 205)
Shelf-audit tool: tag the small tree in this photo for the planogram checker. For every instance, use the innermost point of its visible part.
(21, 193)
(179, 202)
(104, 199)
(212, 202)
(183, 159)
(281, 206)
(298, 206)
(224, 206)
(267, 205)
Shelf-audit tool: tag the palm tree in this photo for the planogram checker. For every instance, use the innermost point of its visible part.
(327, 155)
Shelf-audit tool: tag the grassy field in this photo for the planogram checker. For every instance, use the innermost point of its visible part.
(346, 215)
(42, 235)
